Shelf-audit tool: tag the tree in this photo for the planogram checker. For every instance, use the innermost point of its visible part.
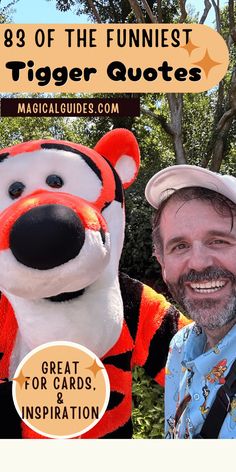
(97, 11)
(5, 12)
(225, 109)
(174, 122)
(123, 11)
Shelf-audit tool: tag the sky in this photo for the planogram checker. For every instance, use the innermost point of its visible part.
(43, 11)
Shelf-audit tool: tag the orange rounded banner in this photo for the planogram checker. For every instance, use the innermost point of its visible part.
(111, 58)
(61, 390)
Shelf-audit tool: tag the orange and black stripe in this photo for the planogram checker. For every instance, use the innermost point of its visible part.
(150, 323)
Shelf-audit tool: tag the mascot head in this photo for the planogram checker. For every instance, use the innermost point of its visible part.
(61, 236)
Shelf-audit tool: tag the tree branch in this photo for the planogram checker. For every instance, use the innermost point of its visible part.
(182, 10)
(176, 110)
(206, 11)
(113, 11)
(232, 101)
(159, 11)
(137, 11)
(160, 119)
(232, 30)
(217, 114)
(152, 17)
(231, 15)
(217, 16)
(95, 11)
(221, 129)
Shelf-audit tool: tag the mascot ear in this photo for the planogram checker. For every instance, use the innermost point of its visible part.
(120, 148)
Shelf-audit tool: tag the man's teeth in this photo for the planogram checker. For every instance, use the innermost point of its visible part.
(208, 287)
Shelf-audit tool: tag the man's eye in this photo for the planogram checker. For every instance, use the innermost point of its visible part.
(180, 247)
(218, 241)
(15, 190)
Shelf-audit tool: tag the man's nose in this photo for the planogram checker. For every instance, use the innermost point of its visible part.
(200, 257)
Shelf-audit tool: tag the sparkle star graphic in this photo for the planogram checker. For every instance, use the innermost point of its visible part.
(207, 63)
(95, 368)
(189, 47)
(21, 379)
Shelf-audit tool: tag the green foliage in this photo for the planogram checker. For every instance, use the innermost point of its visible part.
(156, 153)
(119, 11)
(198, 122)
(147, 412)
(109, 11)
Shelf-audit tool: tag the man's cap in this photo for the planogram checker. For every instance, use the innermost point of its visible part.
(173, 178)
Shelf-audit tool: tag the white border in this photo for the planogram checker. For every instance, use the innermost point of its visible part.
(138, 455)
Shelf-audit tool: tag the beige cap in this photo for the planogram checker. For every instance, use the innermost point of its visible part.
(165, 182)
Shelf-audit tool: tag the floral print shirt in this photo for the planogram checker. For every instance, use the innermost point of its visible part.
(192, 380)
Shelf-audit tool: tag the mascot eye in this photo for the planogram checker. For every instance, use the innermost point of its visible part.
(54, 181)
(16, 189)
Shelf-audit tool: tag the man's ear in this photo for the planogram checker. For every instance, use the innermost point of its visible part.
(121, 149)
(163, 273)
(159, 256)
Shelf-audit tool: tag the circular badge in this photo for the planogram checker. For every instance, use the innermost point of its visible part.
(61, 389)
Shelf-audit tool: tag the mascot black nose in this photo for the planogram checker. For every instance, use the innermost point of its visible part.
(47, 236)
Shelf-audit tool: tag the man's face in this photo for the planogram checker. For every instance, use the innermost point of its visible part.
(199, 261)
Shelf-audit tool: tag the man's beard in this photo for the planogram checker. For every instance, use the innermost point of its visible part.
(207, 312)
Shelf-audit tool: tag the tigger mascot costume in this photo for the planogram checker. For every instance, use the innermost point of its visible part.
(61, 235)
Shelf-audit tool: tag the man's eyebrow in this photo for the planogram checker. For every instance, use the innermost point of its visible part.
(175, 240)
(215, 232)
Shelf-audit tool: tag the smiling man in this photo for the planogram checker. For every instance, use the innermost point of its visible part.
(194, 235)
